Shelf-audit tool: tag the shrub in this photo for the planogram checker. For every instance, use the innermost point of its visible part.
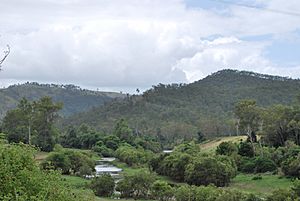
(137, 185)
(256, 165)
(162, 191)
(264, 165)
(291, 166)
(175, 164)
(281, 195)
(103, 185)
(296, 187)
(247, 165)
(21, 177)
(226, 148)
(245, 149)
(209, 170)
(69, 162)
(133, 156)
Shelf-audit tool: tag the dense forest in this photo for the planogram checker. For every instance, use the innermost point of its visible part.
(73, 97)
(180, 111)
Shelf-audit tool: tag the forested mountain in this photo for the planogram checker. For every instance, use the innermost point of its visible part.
(183, 110)
(74, 99)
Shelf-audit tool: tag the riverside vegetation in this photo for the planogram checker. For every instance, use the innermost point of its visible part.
(269, 151)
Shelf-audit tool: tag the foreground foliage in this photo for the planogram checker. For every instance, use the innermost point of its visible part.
(22, 179)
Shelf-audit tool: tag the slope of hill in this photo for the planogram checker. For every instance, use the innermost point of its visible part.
(212, 144)
(74, 99)
(181, 110)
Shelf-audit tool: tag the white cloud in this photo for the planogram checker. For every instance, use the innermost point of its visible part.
(116, 43)
(223, 53)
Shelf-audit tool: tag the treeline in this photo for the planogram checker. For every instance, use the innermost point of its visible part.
(276, 124)
(178, 112)
(33, 123)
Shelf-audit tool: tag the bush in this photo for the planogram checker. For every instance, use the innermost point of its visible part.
(133, 156)
(245, 149)
(256, 165)
(281, 195)
(103, 185)
(201, 193)
(21, 177)
(211, 193)
(296, 187)
(291, 166)
(162, 191)
(137, 185)
(69, 162)
(264, 165)
(247, 165)
(209, 170)
(103, 151)
(174, 165)
(226, 148)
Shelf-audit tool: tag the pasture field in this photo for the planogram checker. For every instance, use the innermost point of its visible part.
(266, 185)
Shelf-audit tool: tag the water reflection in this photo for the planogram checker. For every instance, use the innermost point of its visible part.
(105, 166)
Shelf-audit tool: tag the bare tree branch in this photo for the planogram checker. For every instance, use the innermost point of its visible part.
(6, 53)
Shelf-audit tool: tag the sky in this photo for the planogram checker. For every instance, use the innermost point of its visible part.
(118, 45)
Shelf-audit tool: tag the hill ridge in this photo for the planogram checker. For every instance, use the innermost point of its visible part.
(253, 74)
(74, 98)
(181, 110)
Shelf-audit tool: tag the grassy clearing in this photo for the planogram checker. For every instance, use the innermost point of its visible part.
(211, 145)
(76, 182)
(268, 183)
(127, 170)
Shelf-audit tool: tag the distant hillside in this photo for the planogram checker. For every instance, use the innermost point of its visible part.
(181, 110)
(74, 98)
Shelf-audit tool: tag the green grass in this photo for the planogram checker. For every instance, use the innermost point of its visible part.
(76, 182)
(110, 199)
(127, 170)
(268, 183)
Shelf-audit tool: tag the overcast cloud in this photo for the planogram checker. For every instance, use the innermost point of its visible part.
(123, 45)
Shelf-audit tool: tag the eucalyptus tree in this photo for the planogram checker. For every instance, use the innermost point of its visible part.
(248, 114)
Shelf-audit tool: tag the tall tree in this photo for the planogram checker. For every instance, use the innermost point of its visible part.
(32, 123)
(248, 114)
(123, 131)
(276, 124)
(17, 123)
(46, 113)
